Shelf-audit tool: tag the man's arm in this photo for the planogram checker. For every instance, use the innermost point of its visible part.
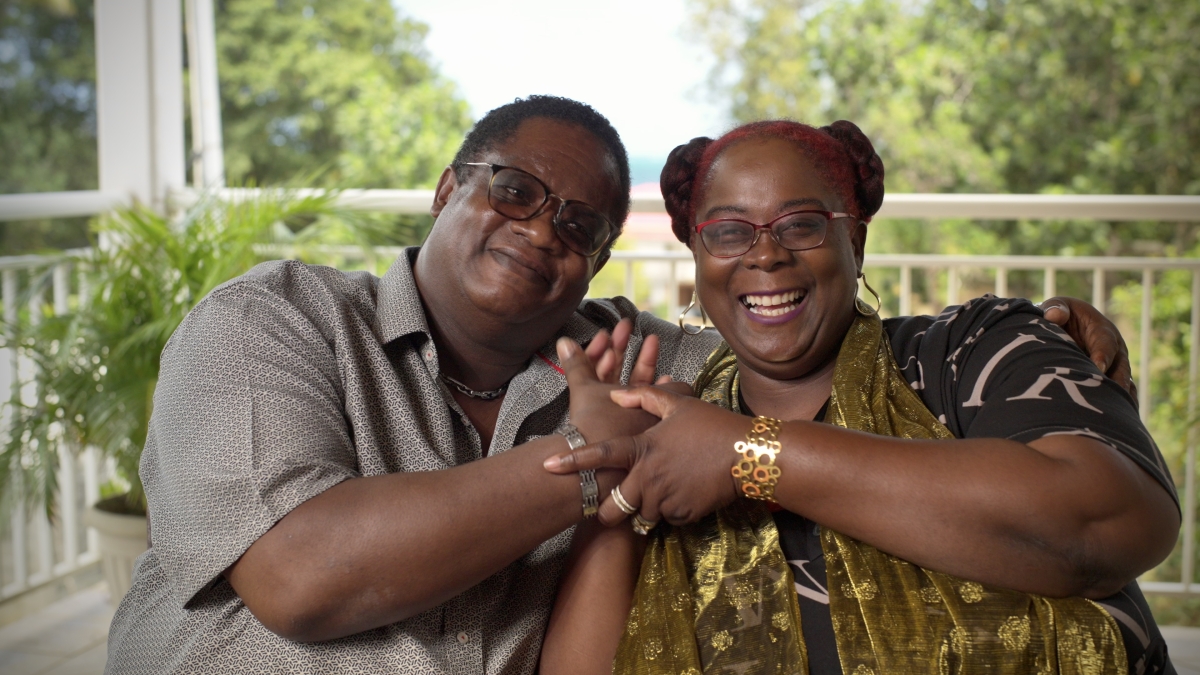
(372, 551)
(376, 550)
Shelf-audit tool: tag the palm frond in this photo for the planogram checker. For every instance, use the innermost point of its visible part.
(96, 367)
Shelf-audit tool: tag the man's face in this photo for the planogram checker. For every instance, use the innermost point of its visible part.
(519, 271)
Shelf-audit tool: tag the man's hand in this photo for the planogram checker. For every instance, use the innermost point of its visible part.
(606, 354)
(1096, 336)
(592, 410)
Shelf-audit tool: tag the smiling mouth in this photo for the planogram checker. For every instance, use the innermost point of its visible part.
(525, 265)
(776, 304)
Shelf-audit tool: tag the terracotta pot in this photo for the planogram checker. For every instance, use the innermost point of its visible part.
(122, 540)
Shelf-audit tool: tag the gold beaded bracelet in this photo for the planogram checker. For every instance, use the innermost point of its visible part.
(756, 469)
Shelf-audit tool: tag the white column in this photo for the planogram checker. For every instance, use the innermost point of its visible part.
(208, 154)
(139, 98)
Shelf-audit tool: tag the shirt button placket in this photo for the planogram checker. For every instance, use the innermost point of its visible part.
(464, 635)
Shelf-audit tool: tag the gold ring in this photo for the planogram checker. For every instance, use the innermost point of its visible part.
(641, 525)
(621, 503)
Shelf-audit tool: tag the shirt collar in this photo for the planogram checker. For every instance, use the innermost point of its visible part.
(399, 311)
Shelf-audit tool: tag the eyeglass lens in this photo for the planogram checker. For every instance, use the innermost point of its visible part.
(518, 195)
(794, 231)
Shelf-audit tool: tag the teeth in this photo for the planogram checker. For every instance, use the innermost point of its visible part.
(762, 311)
(771, 300)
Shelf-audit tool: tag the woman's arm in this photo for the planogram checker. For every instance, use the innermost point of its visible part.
(1059, 516)
(1057, 513)
(593, 601)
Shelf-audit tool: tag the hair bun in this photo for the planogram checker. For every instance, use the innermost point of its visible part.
(868, 167)
(676, 182)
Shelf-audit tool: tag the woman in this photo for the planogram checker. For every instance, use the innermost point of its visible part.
(944, 459)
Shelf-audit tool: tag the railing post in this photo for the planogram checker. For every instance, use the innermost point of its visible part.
(1144, 356)
(19, 539)
(17, 517)
(66, 459)
(90, 456)
(91, 493)
(68, 512)
(905, 290)
(10, 320)
(629, 289)
(1098, 290)
(673, 297)
(1001, 282)
(952, 286)
(62, 288)
(1189, 471)
(1049, 283)
(41, 524)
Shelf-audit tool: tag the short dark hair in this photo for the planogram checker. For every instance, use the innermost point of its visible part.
(499, 124)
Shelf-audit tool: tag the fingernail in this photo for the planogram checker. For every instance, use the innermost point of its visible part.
(552, 463)
(563, 346)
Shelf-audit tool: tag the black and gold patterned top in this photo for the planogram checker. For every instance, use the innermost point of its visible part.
(720, 595)
(993, 368)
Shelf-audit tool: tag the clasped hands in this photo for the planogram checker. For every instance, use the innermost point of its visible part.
(677, 450)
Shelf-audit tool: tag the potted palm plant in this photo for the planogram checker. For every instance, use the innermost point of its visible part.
(96, 366)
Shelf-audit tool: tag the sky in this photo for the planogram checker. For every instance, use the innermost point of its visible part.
(631, 60)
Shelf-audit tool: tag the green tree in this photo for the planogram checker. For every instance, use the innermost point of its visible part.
(47, 113)
(1081, 96)
(339, 90)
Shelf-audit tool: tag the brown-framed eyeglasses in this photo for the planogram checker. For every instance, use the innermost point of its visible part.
(519, 195)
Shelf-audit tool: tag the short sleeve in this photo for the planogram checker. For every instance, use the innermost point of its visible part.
(248, 424)
(995, 368)
(681, 355)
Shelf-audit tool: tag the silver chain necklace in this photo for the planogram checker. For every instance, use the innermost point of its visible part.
(489, 395)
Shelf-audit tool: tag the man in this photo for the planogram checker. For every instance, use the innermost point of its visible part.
(344, 472)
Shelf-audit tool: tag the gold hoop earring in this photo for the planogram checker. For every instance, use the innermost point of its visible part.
(878, 302)
(687, 327)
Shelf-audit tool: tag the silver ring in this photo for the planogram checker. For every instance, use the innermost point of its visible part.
(641, 525)
(621, 503)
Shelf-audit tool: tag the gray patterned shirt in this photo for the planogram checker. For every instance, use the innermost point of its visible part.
(285, 382)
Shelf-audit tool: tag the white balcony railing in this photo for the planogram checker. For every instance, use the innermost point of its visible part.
(36, 550)
(33, 549)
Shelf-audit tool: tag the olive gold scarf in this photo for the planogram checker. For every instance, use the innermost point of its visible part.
(717, 596)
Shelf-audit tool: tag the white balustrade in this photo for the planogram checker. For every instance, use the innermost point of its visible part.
(40, 550)
(29, 531)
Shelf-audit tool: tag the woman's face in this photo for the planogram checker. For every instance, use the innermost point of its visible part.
(758, 180)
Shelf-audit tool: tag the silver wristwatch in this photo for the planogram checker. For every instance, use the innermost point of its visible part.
(587, 477)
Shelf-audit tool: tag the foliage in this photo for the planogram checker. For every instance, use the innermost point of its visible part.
(47, 96)
(338, 86)
(47, 112)
(1081, 96)
(96, 367)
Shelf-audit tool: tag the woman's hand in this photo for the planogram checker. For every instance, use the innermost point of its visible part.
(679, 470)
(1096, 336)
